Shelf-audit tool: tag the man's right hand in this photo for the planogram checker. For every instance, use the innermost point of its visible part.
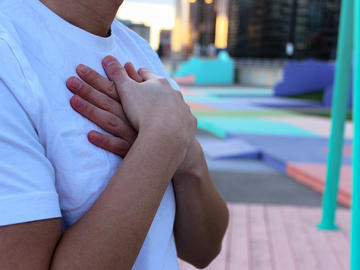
(148, 101)
(152, 104)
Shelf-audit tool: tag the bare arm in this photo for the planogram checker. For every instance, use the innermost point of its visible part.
(202, 215)
(111, 234)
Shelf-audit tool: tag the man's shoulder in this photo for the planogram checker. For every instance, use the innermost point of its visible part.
(9, 34)
(7, 30)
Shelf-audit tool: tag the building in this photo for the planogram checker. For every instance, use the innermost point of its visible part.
(283, 28)
(180, 41)
(164, 50)
(140, 28)
(200, 24)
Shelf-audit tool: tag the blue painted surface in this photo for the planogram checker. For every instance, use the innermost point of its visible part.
(241, 165)
(226, 126)
(215, 148)
(293, 149)
(305, 76)
(209, 71)
(275, 163)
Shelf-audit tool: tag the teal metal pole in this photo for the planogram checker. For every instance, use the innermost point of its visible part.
(339, 114)
(355, 212)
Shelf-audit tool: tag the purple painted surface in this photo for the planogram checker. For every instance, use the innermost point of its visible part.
(308, 76)
(293, 149)
(328, 96)
(232, 148)
(304, 77)
(277, 164)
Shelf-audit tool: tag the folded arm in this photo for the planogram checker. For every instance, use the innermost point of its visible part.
(111, 233)
(201, 213)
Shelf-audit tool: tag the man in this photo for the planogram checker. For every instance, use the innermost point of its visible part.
(65, 203)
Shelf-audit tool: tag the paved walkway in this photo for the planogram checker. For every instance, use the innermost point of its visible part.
(266, 237)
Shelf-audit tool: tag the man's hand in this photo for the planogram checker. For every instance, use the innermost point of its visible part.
(201, 213)
(98, 99)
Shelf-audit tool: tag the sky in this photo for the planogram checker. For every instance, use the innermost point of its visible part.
(169, 2)
(158, 14)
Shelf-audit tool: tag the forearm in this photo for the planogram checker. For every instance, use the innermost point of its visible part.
(112, 232)
(201, 213)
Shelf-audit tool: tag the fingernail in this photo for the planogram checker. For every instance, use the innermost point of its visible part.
(76, 83)
(108, 62)
(83, 69)
(95, 137)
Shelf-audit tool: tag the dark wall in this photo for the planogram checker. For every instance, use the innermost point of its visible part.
(262, 28)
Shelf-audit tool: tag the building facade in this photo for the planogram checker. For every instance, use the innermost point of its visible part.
(200, 24)
(283, 28)
(139, 28)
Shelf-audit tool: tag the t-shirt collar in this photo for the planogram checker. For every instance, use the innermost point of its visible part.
(63, 27)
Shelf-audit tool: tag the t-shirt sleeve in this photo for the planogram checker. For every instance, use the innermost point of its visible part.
(27, 178)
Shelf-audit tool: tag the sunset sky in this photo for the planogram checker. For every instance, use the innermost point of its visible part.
(158, 14)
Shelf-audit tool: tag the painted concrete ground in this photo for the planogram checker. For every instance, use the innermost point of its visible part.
(251, 123)
(268, 237)
(269, 163)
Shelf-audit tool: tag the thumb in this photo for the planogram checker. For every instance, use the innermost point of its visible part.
(147, 75)
(115, 71)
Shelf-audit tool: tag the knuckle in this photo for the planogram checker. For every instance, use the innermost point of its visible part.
(142, 71)
(111, 90)
(113, 122)
(164, 81)
(115, 69)
(91, 75)
(108, 104)
(85, 90)
(97, 79)
(122, 147)
(89, 110)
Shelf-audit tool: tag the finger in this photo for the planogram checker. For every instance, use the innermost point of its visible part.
(112, 144)
(97, 81)
(95, 97)
(147, 75)
(115, 71)
(131, 71)
(104, 119)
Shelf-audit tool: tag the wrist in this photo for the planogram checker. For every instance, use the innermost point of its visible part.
(165, 141)
(193, 162)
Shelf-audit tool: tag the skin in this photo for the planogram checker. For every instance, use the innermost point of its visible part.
(111, 233)
(201, 216)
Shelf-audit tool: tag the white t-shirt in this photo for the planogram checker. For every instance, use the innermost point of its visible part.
(48, 168)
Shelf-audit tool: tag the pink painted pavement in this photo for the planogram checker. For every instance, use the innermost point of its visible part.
(270, 237)
(314, 175)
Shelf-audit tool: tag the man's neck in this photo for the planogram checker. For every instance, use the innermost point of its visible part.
(94, 16)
